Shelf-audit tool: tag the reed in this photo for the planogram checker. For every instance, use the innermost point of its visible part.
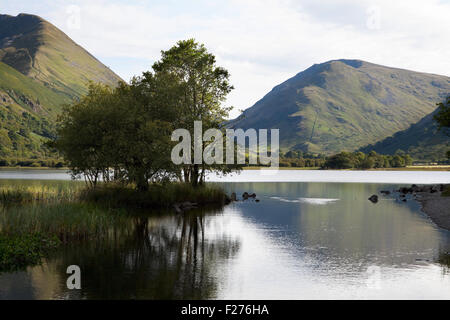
(66, 221)
(159, 196)
(28, 194)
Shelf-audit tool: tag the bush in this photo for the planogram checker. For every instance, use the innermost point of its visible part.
(22, 250)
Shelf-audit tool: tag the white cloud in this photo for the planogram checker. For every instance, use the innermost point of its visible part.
(263, 43)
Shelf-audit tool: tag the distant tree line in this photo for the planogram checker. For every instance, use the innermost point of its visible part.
(360, 160)
(299, 159)
(345, 160)
(32, 163)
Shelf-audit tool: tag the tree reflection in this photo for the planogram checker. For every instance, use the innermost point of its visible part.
(444, 261)
(168, 257)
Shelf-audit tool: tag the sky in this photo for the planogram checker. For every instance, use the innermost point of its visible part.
(261, 42)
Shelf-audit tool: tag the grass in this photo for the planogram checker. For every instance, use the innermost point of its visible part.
(66, 221)
(36, 219)
(19, 251)
(157, 197)
(27, 194)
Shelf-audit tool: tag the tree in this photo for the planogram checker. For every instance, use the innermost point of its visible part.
(202, 87)
(123, 134)
(80, 133)
(117, 134)
(343, 160)
(398, 161)
(442, 117)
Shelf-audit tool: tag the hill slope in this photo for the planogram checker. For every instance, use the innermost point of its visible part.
(422, 141)
(345, 105)
(41, 69)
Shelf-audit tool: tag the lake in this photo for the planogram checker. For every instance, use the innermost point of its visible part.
(313, 235)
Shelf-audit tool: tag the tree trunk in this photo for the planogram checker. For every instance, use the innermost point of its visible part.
(195, 175)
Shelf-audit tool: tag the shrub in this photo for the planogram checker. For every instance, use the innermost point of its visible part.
(21, 250)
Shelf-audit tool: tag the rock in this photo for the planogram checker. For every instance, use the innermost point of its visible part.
(404, 200)
(227, 199)
(257, 200)
(233, 197)
(374, 198)
(386, 192)
(188, 205)
(406, 190)
(177, 208)
(253, 195)
(245, 195)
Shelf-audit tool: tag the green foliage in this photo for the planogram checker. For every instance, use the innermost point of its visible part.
(33, 89)
(360, 160)
(46, 163)
(202, 87)
(299, 159)
(159, 196)
(22, 250)
(118, 134)
(442, 117)
(67, 221)
(123, 134)
(423, 141)
(29, 194)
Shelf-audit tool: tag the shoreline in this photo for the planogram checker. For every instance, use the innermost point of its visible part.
(434, 200)
(436, 207)
(408, 168)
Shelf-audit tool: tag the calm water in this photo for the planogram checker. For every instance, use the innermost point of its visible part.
(303, 240)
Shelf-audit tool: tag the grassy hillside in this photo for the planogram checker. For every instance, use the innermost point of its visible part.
(343, 105)
(27, 110)
(422, 141)
(41, 51)
(41, 69)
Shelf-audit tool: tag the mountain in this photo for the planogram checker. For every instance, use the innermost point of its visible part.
(41, 69)
(344, 105)
(422, 140)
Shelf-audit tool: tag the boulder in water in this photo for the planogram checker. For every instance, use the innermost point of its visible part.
(374, 198)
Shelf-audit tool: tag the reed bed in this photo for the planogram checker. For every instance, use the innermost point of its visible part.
(28, 194)
(159, 196)
(66, 221)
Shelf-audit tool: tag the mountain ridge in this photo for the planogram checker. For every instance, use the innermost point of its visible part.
(41, 69)
(344, 104)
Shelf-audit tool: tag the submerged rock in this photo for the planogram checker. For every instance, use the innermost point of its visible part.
(177, 208)
(374, 198)
(185, 206)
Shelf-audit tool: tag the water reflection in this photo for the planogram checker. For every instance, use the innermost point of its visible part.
(165, 257)
(301, 241)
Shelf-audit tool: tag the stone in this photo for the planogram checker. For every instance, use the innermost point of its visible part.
(374, 198)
